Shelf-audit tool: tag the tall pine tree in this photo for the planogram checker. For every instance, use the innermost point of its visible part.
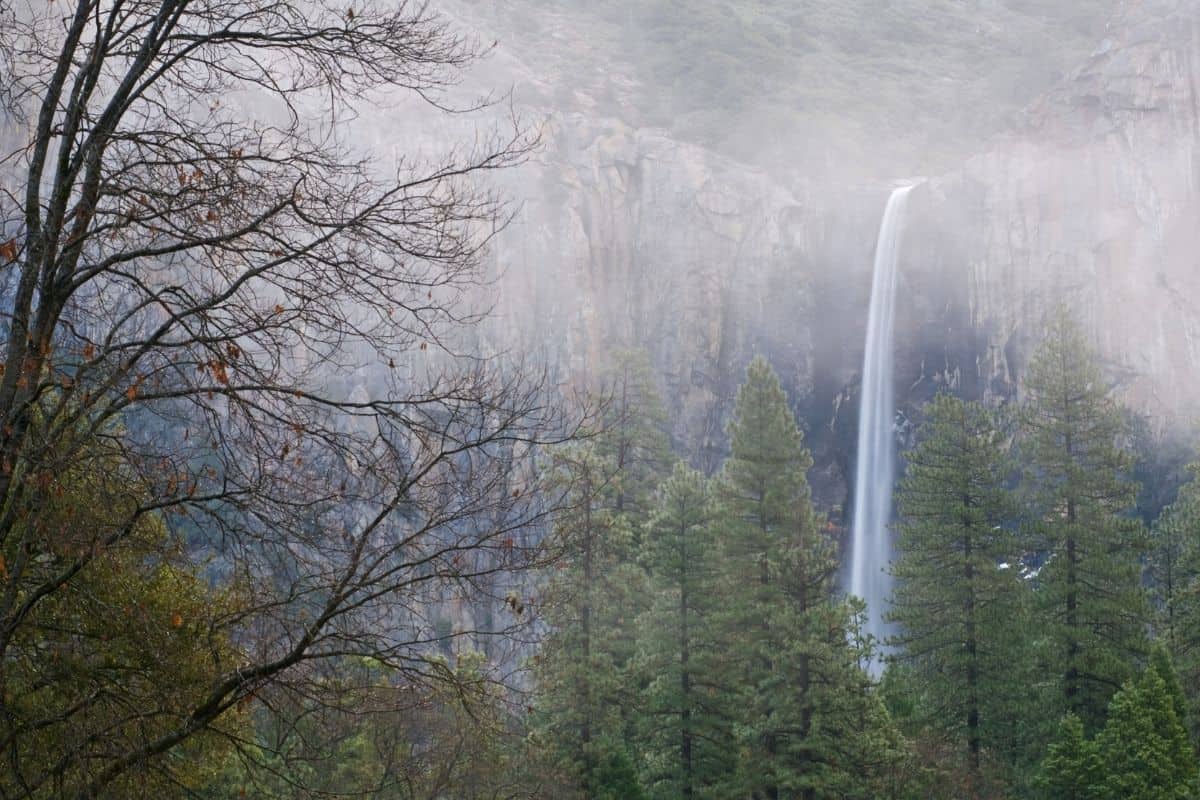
(583, 680)
(1174, 572)
(588, 678)
(958, 600)
(1089, 597)
(634, 434)
(790, 659)
(685, 743)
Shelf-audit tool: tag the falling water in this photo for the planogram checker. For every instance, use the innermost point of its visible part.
(870, 549)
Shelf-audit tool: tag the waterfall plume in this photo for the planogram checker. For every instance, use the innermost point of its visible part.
(870, 545)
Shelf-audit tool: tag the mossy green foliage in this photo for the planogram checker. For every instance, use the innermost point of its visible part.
(121, 653)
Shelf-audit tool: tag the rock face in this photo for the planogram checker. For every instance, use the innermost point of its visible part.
(1094, 203)
(627, 236)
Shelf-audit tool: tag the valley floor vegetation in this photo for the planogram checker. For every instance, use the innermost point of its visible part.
(1044, 635)
(266, 531)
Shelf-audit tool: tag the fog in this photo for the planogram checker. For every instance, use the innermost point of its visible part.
(600, 399)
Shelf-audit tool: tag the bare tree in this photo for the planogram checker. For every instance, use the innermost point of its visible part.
(246, 329)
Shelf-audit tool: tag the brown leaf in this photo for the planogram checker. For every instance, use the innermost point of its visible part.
(8, 251)
(176, 620)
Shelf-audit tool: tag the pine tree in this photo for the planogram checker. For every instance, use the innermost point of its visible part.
(1160, 663)
(1072, 769)
(1144, 747)
(1089, 597)
(583, 684)
(614, 777)
(1174, 571)
(958, 601)
(686, 741)
(634, 434)
(588, 673)
(788, 641)
(1142, 752)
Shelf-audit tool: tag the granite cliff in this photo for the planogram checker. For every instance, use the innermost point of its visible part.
(629, 235)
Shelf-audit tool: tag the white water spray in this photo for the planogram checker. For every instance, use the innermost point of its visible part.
(870, 547)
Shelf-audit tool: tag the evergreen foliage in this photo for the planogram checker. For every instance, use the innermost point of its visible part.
(1160, 664)
(1072, 769)
(959, 599)
(685, 735)
(588, 673)
(114, 660)
(1174, 571)
(795, 689)
(1089, 597)
(591, 602)
(1143, 750)
(1144, 747)
(633, 436)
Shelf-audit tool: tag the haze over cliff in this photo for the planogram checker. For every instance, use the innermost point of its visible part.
(1075, 183)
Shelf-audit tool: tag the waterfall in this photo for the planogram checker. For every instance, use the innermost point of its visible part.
(870, 548)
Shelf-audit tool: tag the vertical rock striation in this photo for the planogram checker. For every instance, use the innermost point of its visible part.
(1093, 201)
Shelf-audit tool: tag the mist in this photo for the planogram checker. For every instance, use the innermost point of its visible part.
(733, 399)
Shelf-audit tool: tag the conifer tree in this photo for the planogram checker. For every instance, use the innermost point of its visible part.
(686, 740)
(1174, 572)
(788, 641)
(958, 601)
(590, 603)
(1072, 769)
(1144, 747)
(1160, 663)
(634, 434)
(1089, 597)
(588, 676)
